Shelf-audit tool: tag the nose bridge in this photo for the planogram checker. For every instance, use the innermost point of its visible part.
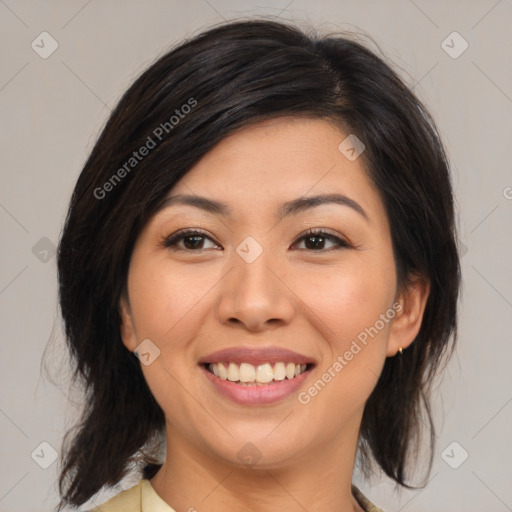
(253, 268)
(256, 281)
(253, 294)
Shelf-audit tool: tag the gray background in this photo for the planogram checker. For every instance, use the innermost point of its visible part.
(52, 110)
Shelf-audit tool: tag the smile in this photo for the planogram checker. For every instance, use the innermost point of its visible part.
(230, 384)
(256, 375)
(247, 373)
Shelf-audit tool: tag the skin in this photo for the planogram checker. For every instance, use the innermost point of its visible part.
(192, 302)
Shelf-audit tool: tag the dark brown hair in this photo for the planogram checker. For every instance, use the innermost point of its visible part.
(231, 76)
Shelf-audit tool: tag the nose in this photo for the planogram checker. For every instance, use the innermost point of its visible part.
(254, 295)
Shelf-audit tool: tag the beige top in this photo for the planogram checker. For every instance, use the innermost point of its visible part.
(143, 498)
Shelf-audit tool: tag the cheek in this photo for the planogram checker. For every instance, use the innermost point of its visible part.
(169, 305)
(343, 302)
(168, 310)
(166, 302)
(352, 310)
(353, 313)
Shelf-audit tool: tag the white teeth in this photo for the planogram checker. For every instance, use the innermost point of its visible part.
(247, 372)
(262, 374)
(223, 373)
(279, 371)
(233, 372)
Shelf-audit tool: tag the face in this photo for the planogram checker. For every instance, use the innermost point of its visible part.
(249, 287)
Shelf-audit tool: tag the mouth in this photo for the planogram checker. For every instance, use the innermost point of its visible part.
(262, 376)
(247, 374)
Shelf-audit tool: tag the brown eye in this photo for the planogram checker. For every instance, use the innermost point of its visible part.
(316, 239)
(193, 240)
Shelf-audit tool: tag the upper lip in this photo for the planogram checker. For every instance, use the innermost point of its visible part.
(256, 356)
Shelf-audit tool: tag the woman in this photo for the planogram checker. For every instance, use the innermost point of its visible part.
(258, 273)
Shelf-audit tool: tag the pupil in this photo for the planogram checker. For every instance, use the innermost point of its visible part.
(319, 242)
(198, 239)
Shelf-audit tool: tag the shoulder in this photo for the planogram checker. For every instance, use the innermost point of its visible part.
(126, 501)
(365, 503)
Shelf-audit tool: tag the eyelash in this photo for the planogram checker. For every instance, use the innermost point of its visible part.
(172, 241)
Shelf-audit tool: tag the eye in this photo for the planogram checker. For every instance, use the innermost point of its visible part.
(317, 237)
(193, 240)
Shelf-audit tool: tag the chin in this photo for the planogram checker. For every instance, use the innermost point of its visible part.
(257, 450)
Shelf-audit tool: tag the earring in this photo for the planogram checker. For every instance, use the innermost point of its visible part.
(400, 350)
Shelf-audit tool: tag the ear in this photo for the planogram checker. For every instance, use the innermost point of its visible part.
(127, 327)
(407, 322)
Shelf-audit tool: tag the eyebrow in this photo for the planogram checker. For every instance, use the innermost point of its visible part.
(288, 208)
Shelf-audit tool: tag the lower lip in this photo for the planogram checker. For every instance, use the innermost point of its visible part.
(258, 394)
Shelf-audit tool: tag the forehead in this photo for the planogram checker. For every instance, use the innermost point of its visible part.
(278, 160)
(302, 148)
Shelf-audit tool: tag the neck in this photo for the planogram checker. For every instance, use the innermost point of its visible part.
(318, 480)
